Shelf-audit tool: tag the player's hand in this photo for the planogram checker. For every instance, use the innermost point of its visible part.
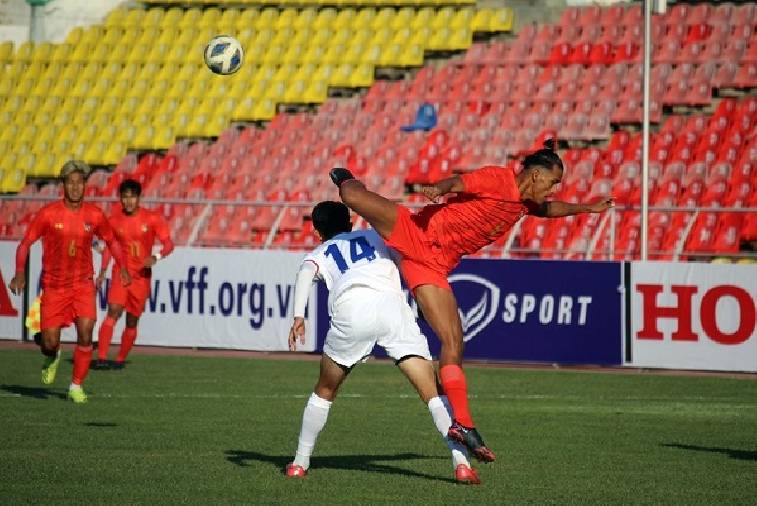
(100, 280)
(432, 192)
(125, 278)
(297, 332)
(17, 284)
(602, 205)
(150, 261)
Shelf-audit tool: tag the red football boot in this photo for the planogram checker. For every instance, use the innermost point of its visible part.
(466, 475)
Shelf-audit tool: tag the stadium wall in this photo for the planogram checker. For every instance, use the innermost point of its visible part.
(656, 314)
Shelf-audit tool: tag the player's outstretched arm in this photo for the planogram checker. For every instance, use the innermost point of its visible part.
(307, 273)
(104, 262)
(558, 209)
(164, 236)
(441, 188)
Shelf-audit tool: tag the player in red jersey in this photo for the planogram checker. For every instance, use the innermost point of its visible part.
(487, 203)
(135, 229)
(67, 228)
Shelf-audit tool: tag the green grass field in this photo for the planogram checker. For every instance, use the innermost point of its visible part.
(172, 429)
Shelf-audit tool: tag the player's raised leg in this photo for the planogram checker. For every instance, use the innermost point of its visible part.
(379, 211)
(439, 308)
(50, 348)
(420, 373)
(128, 336)
(82, 358)
(105, 334)
(316, 413)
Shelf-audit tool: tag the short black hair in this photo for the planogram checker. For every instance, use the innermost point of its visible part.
(130, 185)
(331, 218)
(545, 157)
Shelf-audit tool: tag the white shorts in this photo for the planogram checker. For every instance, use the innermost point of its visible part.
(364, 317)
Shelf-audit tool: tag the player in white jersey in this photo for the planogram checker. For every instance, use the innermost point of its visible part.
(367, 307)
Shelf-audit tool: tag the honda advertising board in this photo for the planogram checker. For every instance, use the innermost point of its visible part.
(693, 316)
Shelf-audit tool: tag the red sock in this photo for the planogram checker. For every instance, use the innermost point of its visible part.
(82, 358)
(127, 341)
(453, 382)
(104, 337)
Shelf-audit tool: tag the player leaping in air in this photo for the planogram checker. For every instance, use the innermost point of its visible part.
(67, 228)
(487, 203)
(135, 229)
(367, 307)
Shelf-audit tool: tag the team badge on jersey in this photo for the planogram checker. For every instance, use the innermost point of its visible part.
(144, 228)
(58, 226)
(87, 227)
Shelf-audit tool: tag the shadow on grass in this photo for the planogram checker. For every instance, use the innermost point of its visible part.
(734, 454)
(33, 392)
(100, 424)
(367, 463)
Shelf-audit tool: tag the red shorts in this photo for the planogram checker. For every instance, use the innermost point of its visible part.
(423, 261)
(131, 297)
(59, 307)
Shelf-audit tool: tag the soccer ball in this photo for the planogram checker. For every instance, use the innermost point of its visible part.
(224, 54)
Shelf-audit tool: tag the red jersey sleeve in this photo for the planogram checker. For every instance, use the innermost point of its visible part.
(104, 231)
(35, 230)
(163, 234)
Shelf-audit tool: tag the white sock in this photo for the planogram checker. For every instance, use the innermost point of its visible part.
(74, 386)
(441, 413)
(313, 420)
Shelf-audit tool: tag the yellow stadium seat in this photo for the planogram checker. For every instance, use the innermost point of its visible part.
(284, 73)
(119, 89)
(411, 55)
(191, 18)
(247, 18)
(74, 36)
(314, 54)
(86, 53)
(423, 18)
(148, 36)
(443, 18)
(265, 110)
(229, 17)
(372, 54)
(264, 37)
(462, 18)
(325, 18)
(345, 19)
(6, 51)
(158, 53)
(119, 53)
(13, 181)
(462, 38)
(187, 35)
(502, 21)
(133, 17)
(322, 37)
(92, 35)
(101, 88)
(144, 138)
(342, 36)
(354, 54)
(402, 35)
(210, 18)
(244, 109)
(153, 17)
(334, 54)
(42, 87)
(157, 89)
(168, 35)
(293, 54)
(266, 19)
(273, 55)
(24, 52)
(382, 36)
(323, 73)
(287, 18)
(362, 76)
(390, 55)
(384, 18)
(440, 39)
(295, 92)
(114, 152)
(305, 18)
(403, 18)
(171, 18)
(110, 105)
(364, 17)
(115, 17)
(8, 133)
(341, 75)
(316, 92)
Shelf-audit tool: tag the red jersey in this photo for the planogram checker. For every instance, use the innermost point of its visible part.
(488, 207)
(66, 243)
(136, 234)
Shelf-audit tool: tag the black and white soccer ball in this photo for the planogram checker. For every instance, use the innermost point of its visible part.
(224, 55)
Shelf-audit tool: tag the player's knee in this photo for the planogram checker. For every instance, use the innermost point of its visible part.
(48, 348)
(350, 192)
(325, 392)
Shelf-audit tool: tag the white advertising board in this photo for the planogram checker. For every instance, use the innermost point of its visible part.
(10, 305)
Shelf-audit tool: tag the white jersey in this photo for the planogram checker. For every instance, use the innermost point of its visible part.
(357, 258)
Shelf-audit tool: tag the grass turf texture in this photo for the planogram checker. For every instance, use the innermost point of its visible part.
(172, 429)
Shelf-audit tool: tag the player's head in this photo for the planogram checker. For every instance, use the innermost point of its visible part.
(129, 192)
(331, 218)
(543, 170)
(74, 175)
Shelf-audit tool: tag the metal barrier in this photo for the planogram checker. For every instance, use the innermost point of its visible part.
(608, 225)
